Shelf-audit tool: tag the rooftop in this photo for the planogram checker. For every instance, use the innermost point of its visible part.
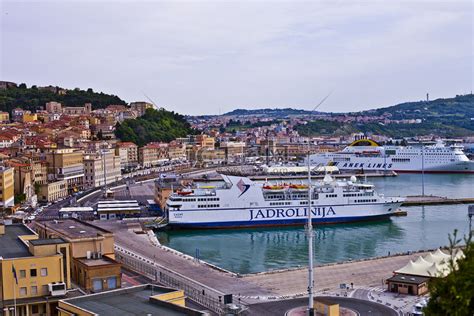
(128, 301)
(74, 229)
(10, 245)
(52, 241)
(96, 262)
(402, 278)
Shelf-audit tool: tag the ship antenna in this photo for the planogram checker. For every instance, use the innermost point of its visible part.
(309, 225)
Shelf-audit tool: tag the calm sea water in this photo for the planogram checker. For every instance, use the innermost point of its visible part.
(263, 249)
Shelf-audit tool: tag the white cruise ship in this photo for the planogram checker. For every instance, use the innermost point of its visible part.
(365, 154)
(241, 202)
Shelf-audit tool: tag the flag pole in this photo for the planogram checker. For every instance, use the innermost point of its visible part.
(14, 289)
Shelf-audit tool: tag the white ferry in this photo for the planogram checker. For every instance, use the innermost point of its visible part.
(365, 154)
(240, 202)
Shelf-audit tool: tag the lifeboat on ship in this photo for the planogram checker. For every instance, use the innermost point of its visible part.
(298, 187)
(274, 188)
(184, 192)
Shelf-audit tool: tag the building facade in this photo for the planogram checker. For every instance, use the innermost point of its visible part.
(93, 265)
(140, 107)
(101, 169)
(66, 164)
(128, 153)
(53, 191)
(7, 187)
(34, 273)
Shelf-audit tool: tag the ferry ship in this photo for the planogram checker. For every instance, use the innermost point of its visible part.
(240, 202)
(365, 154)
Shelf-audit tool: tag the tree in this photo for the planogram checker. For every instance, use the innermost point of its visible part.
(19, 198)
(454, 294)
(22, 86)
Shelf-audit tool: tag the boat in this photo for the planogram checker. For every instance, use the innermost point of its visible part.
(368, 155)
(241, 202)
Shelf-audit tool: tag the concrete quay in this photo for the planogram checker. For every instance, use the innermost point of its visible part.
(420, 200)
(268, 286)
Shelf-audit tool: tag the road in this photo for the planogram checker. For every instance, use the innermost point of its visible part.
(281, 307)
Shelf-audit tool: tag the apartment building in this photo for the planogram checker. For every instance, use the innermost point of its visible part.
(153, 154)
(128, 153)
(29, 117)
(66, 164)
(53, 191)
(7, 187)
(140, 107)
(101, 169)
(4, 117)
(205, 141)
(176, 151)
(6, 141)
(93, 265)
(34, 272)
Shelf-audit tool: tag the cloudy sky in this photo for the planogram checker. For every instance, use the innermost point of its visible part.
(199, 57)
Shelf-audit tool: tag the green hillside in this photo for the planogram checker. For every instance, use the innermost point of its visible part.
(34, 99)
(453, 117)
(154, 126)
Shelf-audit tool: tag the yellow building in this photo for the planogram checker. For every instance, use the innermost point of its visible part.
(205, 141)
(52, 191)
(29, 117)
(93, 265)
(4, 117)
(34, 273)
(7, 187)
(144, 299)
(66, 164)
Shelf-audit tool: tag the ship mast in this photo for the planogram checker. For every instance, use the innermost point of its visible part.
(309, 225)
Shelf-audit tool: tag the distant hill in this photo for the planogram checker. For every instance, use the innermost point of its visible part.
(457, 107)
(267, 112)
(452, 117)
(154, 126)
(35, 98)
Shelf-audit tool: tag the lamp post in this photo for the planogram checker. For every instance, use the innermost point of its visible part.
(309, 226)
(422, 169)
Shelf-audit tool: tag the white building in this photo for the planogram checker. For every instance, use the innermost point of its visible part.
(94, 175)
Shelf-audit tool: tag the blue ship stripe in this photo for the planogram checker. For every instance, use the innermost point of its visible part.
(300, 221)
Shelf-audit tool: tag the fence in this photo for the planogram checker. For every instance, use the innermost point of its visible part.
(198, 292)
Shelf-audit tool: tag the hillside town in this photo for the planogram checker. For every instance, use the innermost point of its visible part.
(60, 150)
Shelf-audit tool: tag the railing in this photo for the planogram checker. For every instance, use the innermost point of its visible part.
(198, 292)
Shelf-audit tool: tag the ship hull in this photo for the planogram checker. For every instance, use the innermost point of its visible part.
(284, 216)
(388, 164)
(281, 223)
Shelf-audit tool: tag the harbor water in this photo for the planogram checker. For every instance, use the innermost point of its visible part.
(264, 249)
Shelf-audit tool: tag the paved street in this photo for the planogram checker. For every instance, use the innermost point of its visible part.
(256, 287)
(280, 307)
(361, 273)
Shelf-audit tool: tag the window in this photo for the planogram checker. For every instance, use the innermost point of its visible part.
(45, 290)
(97, 285)
(33, 273)
(23, 291)
(34, 290)
(111, 283)
(22, 274)
(34, 309)
(44, 272)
